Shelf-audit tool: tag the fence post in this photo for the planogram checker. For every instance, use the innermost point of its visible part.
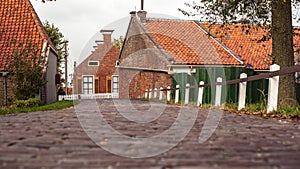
(218, 93)
(146, 94)
(200, 94)
(242, 92)
(161, 93)
(155, 93)
(150, 93)
(273, 90)
(187, 94)
(177, 94)
(168, 93)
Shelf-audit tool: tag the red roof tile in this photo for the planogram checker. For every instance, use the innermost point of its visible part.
(245, 42)
(19, 26)
(188, 43)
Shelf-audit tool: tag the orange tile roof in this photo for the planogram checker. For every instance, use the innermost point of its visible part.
(245, 42)
(188, 43)
(19, 24)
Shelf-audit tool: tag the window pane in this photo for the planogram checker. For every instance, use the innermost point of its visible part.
(115, 78)
(115, 85)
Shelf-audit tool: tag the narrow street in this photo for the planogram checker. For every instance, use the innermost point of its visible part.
(57, 140)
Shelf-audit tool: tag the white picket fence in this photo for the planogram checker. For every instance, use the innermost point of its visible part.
(89, 96)
(272, 92)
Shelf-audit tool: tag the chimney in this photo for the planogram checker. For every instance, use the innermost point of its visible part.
(133, 13)
(107, 36)
(142, 15)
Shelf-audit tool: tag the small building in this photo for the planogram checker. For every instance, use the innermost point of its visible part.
(97, 73)
(166, 52)
(21, 25)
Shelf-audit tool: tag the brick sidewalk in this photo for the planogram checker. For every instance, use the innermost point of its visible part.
(55, 139)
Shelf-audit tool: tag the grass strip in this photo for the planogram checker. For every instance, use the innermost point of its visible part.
(54, 106)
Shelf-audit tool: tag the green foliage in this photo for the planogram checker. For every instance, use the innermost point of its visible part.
(291, 111)
(256, 107)
(26, 71)
(118, 43)
(32, 102)
(57, 39)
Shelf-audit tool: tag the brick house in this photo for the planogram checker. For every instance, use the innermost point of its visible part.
(157, 49)
(97, 73)
(21, 25)
(165, 52)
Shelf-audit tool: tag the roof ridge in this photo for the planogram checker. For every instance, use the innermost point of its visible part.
(239, 59)
(101, 48)
(169, 19)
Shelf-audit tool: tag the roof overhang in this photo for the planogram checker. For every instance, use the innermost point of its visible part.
(203, 66)
(143, 69)
(190, 69)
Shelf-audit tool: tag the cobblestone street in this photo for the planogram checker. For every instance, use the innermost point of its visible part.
(56, 140)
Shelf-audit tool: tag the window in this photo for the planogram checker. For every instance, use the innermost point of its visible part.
(93, 63)
(88, 82)
(115, 84)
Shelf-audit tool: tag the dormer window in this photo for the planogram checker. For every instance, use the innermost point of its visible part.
(93, 63)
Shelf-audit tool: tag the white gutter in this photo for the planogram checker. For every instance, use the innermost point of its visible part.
(141, 69)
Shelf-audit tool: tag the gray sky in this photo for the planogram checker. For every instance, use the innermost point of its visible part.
(81, 20)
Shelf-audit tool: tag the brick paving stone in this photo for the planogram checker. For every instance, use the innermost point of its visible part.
(56, 140)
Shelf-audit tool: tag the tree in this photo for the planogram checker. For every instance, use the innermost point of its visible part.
(276, 13)
(118, 43)
(27, 70)
(57, 39)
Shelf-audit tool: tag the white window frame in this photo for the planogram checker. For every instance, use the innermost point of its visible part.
(113, 82)
(93, 83)
(94, 62)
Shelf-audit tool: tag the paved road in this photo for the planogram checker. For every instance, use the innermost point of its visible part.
(55, 139)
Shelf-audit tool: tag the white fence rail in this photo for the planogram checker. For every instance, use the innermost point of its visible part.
(89, 96)
(273, 77)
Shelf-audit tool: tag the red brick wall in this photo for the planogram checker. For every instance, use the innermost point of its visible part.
(143, 65)
(133, 83)
(107, 68)
(107, 55)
